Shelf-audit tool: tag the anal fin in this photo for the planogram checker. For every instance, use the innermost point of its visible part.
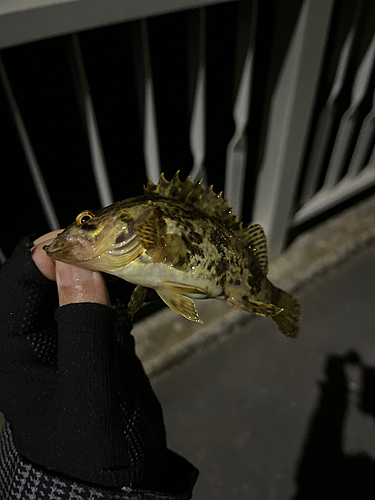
(179, 303)
(195, 291)
(254, 306)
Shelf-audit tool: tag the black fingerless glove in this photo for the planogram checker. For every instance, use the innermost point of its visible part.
(73, 390)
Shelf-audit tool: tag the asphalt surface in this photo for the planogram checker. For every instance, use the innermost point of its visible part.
(266, 417)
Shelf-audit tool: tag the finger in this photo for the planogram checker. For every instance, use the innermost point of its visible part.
(45, 265)
(47, 237)
(76, 285)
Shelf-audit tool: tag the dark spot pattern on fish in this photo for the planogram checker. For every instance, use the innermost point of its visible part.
(210, 265)
(191, 247)
(223, 281)
(255, 278)
(196, 262)
(196, 237)
(217, 239)
(181, 262)
(189, 226)
(221, 267)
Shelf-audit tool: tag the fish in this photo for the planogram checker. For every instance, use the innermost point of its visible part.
(183, 241)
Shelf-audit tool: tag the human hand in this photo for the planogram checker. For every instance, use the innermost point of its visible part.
(74, 284)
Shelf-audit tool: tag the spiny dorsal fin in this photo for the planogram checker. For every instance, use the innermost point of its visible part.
(204, 200)
(254, 237)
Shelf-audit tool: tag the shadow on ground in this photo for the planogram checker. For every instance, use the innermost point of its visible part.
(325, 470)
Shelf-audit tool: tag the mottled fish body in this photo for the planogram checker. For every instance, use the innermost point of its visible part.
(184, 242)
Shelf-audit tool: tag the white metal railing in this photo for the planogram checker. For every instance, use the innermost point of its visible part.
(289, 124)
(292, 105)
(360, 173)
(96, 150)
(238, 145)
(23, 21)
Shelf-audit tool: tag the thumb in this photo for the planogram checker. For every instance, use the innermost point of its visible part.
(75, 285)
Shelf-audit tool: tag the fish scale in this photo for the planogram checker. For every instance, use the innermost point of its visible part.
(184, 242)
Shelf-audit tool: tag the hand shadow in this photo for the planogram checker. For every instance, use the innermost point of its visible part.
(324, 470)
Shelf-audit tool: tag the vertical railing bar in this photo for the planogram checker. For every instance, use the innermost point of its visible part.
(198, 118)
(326, 119)
(96, 150)
(349, 120)
(237, 148)
(288, 123)
(150, 130)
(364, 142)
(32, 162)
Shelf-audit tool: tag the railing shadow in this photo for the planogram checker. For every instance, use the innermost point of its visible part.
(325, 471)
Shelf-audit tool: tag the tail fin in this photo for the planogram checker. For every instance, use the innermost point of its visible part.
(288, 319)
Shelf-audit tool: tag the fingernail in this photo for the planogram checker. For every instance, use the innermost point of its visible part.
(68, 275)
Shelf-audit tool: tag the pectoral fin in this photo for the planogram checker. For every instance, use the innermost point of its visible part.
(179, 303)
(136, 300)
(254, 306)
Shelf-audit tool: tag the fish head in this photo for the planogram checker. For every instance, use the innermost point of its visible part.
(103, 240)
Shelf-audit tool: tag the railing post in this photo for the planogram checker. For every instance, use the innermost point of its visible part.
(289, 119)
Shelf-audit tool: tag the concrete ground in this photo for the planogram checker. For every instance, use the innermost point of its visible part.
(266, 417)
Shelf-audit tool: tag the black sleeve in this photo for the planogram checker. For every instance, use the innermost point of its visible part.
(72, 388)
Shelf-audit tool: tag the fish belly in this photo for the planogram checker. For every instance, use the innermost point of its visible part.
(146, 273)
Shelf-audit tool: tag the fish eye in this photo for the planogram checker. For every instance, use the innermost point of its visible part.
(84, 217)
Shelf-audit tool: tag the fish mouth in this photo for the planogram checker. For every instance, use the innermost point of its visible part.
(66, 248)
